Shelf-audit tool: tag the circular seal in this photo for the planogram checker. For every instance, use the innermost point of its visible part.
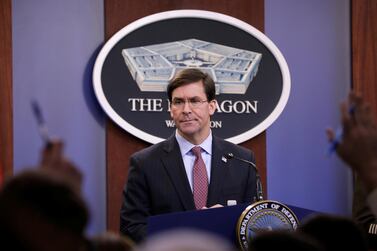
(265, 215)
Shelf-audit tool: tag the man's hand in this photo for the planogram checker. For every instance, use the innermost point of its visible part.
(358, 146)
(214, 206)
(54, 161)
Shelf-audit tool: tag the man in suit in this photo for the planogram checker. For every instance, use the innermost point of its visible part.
(189, 170)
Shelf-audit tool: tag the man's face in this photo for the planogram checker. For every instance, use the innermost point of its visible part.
(191, 112)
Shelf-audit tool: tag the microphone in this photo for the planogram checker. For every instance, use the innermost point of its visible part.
(257, 176)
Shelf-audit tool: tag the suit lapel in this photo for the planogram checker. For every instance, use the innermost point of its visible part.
(174, 166)
(218, 172)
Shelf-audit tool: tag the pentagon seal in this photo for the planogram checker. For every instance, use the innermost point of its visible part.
(265, 215)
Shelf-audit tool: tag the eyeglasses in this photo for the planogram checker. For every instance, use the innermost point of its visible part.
(193, 102)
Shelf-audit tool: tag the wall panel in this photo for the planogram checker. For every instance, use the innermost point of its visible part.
(6, 125)
(364, 49)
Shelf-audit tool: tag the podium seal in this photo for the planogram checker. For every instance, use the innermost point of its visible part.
(265, 215)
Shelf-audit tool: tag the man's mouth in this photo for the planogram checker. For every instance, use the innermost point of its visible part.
(187, 120)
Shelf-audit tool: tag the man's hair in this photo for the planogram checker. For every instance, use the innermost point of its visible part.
(283, 240)
(192, 75)
(47, 196)
(334, 232)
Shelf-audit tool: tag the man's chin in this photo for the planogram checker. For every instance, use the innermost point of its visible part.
(188, 126)
(187, 131)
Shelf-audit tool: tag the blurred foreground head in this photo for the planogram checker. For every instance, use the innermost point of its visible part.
(109, 241)
(283, 240)
(41, 211)
(334, 232)
(185, 240)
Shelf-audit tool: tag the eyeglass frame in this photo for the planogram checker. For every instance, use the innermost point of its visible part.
(192, 102)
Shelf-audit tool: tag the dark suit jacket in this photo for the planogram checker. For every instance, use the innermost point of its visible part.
(363, 215)
(157, 183)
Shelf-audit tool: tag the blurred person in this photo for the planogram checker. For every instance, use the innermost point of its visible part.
(362, 214)
(41, 212)
(185, 240)
(283, 240)
(42, 208)
(334, 232)
(110, 241)
(358, 144)
(186, 171)
(358, 148)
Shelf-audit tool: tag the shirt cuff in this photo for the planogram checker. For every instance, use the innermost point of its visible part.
(372, 201)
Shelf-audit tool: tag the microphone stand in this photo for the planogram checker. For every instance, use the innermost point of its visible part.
(257, 176)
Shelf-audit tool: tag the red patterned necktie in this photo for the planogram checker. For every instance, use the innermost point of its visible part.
(200, 179)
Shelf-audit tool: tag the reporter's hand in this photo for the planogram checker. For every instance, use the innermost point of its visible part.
(358, 147)
(54, 161)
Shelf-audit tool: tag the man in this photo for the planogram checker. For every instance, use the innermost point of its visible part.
(358, 148)
(168, 177)
(42, 208)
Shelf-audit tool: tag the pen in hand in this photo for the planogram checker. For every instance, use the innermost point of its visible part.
(43, 131)
(336, 141)
(338, 135)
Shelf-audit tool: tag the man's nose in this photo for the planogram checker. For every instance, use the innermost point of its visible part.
(186, 107)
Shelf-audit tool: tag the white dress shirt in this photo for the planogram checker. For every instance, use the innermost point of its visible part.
(189, 158)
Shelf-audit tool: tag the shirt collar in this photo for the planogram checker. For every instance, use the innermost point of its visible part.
(186, 146)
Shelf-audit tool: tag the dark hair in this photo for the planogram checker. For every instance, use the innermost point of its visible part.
(47, 196)
(283, 240)
(191, 75)
(334, 232)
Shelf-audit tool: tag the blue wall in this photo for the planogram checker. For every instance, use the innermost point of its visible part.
(54, 47)
(314, 36)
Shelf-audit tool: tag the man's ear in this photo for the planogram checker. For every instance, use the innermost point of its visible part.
(212, 106)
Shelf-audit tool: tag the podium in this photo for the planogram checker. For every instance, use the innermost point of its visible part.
(221, 221)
